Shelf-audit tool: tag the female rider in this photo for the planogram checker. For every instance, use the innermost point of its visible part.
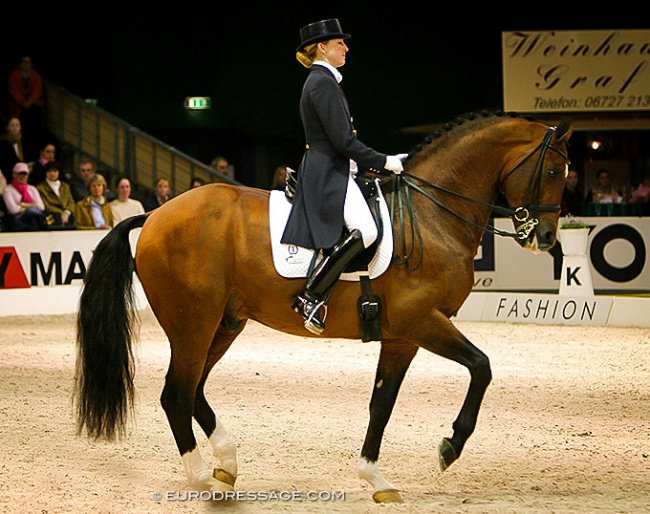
(328, 200)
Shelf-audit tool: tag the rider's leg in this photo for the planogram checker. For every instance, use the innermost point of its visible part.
(363, 232)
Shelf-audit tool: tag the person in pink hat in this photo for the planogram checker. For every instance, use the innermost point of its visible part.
(25, 207)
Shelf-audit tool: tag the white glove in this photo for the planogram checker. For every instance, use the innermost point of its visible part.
(394, 163)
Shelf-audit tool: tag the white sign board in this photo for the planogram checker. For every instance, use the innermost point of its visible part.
(576, 71)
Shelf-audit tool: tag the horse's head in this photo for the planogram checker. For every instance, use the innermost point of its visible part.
(534, 187)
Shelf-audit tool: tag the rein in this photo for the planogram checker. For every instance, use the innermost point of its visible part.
(403, 183)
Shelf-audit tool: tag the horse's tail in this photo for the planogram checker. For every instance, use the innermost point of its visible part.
(105, 329)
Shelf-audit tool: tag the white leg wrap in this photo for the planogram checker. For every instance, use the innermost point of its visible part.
(195, 469)
(369, 472)
(224, 448)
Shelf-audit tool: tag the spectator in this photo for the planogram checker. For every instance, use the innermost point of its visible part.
(25, 208)
(3, 209)
(642, 192)
(25, 86)
(57, 196)
(221, 164)
(279, 178)
(11, 148)
(124, 206)
(94, 211)
(604, 191)
(196, 182)
(79, 181)
(571, 196)
(46, 154)
(159, 196)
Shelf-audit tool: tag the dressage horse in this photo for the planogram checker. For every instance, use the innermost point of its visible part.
(204, 262)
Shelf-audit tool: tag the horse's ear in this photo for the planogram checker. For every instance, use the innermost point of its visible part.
(563, 131)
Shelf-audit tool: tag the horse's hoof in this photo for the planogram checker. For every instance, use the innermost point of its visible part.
(387, 496)
(224, 478)
(446, 454)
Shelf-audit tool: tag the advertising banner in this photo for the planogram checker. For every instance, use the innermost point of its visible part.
(576, 71)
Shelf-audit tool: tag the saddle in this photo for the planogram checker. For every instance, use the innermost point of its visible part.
(370, 190)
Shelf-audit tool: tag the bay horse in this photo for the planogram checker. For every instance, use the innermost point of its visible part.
(204, 262)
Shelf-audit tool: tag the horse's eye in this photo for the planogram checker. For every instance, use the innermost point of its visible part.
(553, 173)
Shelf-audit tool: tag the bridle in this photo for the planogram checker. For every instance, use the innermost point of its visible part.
(525, 215)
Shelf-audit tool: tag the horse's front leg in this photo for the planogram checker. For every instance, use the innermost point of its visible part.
(448, 342)
(394, 360)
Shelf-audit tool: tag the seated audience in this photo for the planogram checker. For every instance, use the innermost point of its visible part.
(25, 208)
(159, 196)
(94, 211)
(26, 99)
(279, 178)
(571, 196)
(124, 206)
(642, 192)
(78, 182)
(57, 196)
(196, 182)
(220, 164)
(46, 153)
(11, 148)
(603, 191)
(3, 209)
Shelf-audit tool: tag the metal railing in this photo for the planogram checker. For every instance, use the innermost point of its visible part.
(117, 147)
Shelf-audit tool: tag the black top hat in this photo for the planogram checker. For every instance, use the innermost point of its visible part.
(321, 31)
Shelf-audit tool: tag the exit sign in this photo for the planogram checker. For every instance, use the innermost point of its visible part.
(198, 103)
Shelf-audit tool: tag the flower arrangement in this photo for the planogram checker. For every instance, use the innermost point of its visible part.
(573, 222)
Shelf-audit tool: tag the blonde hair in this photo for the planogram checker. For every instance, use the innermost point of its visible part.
(96, 178)
(307, 55)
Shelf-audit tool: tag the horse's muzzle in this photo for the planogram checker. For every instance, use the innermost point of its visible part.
(545, 233)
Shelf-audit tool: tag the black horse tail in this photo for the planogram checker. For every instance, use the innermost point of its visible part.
(106, 325)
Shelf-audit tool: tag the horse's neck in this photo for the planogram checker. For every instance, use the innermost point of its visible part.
(476, 182)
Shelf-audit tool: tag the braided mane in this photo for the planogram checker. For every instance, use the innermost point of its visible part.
(464, 120)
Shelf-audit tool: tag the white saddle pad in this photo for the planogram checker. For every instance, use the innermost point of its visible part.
(293, 261)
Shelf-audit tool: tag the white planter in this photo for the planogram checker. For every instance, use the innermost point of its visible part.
(574, 241)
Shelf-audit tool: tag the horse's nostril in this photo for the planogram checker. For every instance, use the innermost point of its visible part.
(546, 239)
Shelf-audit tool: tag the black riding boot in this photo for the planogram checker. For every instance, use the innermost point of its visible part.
(324, 276)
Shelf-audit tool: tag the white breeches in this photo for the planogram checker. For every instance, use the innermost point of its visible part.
(357, 215)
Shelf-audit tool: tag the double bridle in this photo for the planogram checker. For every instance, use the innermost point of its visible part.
(525, 214)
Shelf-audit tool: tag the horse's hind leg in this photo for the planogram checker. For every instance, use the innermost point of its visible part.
(394, 360)
(177, 400)
(223, 445)
(192, 356)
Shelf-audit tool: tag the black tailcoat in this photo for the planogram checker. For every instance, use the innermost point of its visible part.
(316, 219)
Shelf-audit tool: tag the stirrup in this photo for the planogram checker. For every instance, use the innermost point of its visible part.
(312, 322)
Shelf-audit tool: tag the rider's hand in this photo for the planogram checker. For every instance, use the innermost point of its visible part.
(394, 163)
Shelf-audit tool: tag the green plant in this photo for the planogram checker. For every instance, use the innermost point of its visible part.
(573, 222)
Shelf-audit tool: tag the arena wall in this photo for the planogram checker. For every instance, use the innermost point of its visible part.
(42, 273)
